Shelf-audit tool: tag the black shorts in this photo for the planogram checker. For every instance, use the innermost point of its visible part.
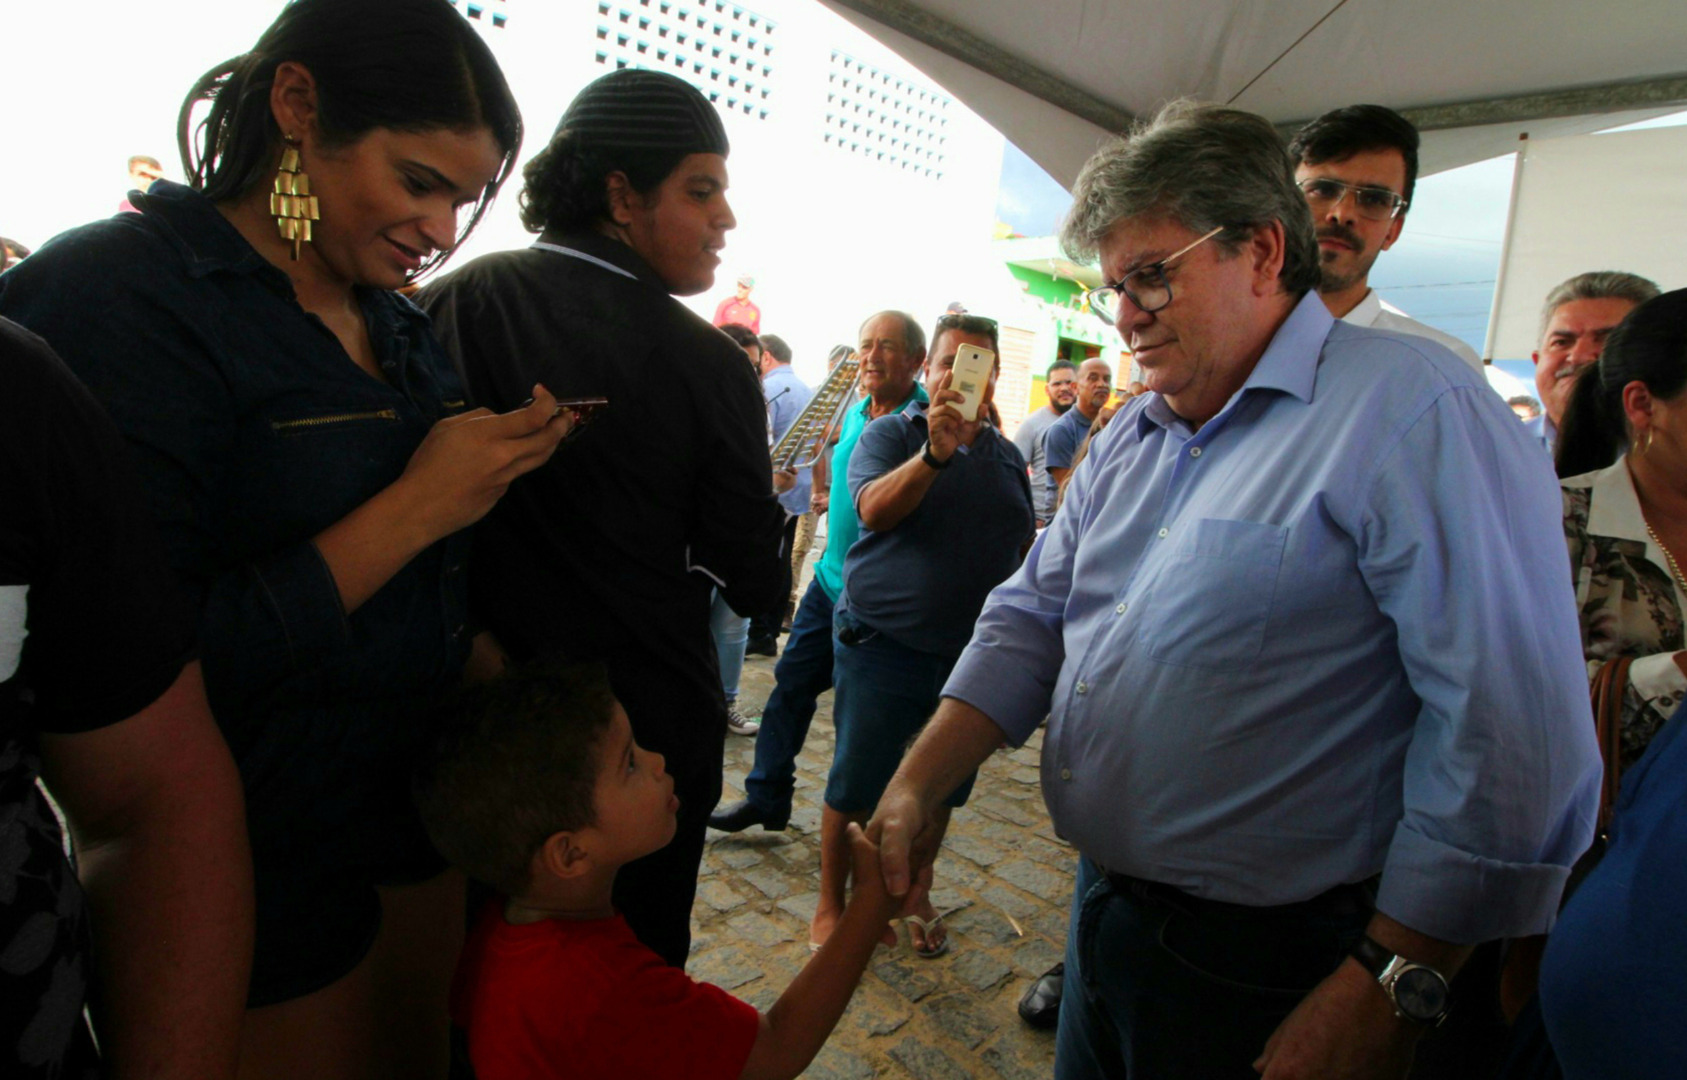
(316, 874)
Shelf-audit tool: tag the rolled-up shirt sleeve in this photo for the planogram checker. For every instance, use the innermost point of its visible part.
(883, 447)
(1462, 548)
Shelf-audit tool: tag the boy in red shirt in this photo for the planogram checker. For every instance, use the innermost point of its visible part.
(536, 787)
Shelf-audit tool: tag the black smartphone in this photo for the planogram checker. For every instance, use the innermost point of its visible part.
(583, 407)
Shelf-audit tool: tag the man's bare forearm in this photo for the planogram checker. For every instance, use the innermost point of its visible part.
(892, 497)
(907, 823)
(799, 1023)
(953, 745)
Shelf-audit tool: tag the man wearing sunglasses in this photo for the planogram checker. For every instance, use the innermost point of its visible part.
(1302, 632)
(1357, 167)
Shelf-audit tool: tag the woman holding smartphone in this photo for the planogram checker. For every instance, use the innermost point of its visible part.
(307, 454)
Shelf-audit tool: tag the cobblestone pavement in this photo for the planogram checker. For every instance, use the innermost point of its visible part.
(941, 1019)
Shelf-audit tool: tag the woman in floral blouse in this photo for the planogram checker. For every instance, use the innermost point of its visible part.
(1623, 457)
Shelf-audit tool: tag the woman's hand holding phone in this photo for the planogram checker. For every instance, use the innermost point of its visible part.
(467, 462)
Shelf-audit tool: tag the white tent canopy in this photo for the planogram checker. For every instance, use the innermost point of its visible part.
(1055, 76)
(1637, 183)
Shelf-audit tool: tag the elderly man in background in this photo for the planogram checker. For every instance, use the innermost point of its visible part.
(1578, 316)
(945, 512)
(892, 351)
(1317, 715)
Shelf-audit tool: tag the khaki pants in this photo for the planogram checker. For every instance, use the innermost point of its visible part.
(799, 555)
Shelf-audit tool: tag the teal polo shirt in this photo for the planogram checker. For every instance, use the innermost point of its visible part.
(843, 528)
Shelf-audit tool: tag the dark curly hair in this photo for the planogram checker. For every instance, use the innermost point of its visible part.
(565, 182)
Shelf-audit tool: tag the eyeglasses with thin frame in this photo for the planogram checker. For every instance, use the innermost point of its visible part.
(1151, 290)
(1372, 203)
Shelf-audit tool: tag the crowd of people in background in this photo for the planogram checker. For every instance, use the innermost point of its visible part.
(379, 645)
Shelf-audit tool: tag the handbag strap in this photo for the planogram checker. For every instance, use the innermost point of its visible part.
(1607, 692)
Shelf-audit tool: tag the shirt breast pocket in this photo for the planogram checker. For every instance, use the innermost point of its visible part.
(1211, 601)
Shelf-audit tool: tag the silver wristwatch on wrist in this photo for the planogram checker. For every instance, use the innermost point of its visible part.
(1417, 991)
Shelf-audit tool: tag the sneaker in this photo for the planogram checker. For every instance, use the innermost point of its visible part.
(739, 724)
(763, 646)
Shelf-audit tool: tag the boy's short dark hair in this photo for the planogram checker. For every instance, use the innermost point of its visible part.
(1352, 129)
(509, 764)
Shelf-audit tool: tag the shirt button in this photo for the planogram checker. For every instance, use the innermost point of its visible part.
(1165, 533)
(1066, 774)
(1194, 451)
(1120, 610)
(1082, 688)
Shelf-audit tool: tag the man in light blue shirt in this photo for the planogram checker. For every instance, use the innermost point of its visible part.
(786, 396)
(1307, 642)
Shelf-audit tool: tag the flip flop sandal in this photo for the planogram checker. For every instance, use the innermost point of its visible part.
(930, 952)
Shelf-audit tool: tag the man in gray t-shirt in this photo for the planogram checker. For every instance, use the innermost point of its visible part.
(1062, 389)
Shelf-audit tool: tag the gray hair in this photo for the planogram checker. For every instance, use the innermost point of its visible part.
(1597, 285)
(913, 337)
(1201, 166)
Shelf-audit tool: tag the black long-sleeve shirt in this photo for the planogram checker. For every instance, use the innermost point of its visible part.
(614, 545)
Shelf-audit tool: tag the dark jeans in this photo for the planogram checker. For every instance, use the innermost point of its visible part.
(885, 694)
(803, 673)
(767, 624)
(1162, 986)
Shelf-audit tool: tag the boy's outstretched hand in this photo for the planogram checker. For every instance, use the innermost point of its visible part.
(867, 884)
(797, 1025)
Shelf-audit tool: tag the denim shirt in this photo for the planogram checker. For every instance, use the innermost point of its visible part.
(253, 431)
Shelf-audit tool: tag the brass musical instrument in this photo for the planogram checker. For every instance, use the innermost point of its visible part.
(805, 440)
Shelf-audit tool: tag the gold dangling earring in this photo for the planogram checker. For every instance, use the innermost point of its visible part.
(291, 204)
(1647, 448)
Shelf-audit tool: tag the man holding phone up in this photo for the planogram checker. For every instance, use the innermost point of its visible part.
(945, 513)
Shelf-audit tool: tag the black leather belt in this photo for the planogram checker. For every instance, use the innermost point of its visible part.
(1358, 897)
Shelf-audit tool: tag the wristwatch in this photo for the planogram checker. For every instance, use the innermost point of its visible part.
(926, 456)
(1417, 992)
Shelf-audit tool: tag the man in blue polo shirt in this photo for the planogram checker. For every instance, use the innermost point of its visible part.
(1060, 445)
(945, 511)
(892, 351)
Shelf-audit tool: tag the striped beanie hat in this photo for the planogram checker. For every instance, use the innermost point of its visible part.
(645, 110)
